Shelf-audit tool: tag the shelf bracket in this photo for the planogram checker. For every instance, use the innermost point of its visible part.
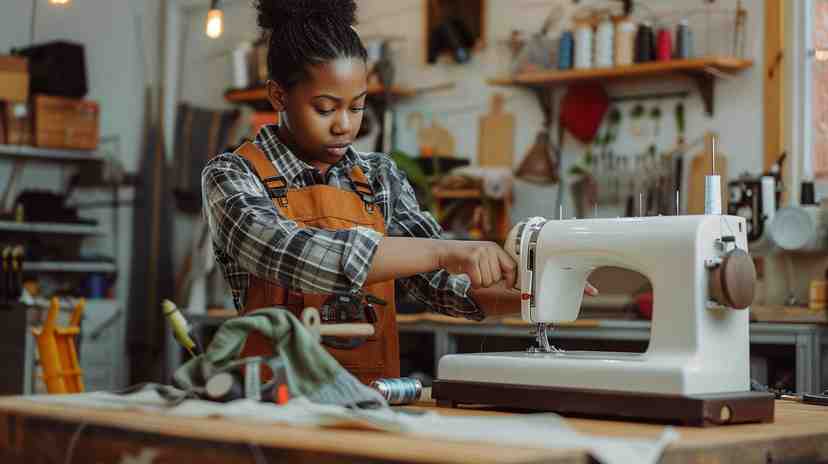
(706, 84)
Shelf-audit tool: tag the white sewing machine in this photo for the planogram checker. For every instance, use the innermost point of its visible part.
(696, 367)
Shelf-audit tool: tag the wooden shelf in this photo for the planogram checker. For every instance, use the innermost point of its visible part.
(702, 70)
(458, 194)
(257, 96)
(48, 154)
(50, 228)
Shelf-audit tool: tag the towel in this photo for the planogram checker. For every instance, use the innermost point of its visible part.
(311, 371)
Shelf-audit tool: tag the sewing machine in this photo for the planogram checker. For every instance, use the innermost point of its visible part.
(696, 367)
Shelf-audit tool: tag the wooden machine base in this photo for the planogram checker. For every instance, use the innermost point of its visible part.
(693, 410)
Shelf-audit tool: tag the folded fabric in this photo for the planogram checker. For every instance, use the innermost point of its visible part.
(521, 430)
(311, 371)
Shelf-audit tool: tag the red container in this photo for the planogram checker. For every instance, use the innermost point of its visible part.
(664, 45)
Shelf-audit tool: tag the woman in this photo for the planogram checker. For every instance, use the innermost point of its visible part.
(300, 218)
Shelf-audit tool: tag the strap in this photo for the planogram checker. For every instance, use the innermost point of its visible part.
(362, 188)
(275, 184)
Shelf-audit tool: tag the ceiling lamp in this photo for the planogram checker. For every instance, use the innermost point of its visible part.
(215, 20)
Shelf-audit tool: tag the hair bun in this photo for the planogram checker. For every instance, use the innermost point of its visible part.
(275, 13)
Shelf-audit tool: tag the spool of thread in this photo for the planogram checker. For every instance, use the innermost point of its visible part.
(624, 42)
(664, 45)
(712, 195)
(768, 197)
(403, 390)
(644, 44)
(583, 47)
(565, 50)
(604, 44)
(684, 40)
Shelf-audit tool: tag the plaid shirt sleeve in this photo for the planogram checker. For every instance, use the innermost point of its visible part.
(442, 292)
(246, 226)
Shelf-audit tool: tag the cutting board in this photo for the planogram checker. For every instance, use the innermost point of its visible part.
(495, 144)
(434, 139)
(700, 166)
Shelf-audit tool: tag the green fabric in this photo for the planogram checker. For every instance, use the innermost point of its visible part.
(311, 371)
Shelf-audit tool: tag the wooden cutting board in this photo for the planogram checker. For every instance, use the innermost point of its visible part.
(435, 139)
(700, 166)
(495, 144)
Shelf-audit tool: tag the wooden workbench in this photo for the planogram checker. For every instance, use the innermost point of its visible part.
(35, 433)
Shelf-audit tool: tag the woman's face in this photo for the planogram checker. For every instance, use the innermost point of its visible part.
(321, 115)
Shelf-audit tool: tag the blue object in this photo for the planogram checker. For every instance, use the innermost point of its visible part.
(565, 50)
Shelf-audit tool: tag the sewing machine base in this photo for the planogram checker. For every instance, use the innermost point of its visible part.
(693, 410)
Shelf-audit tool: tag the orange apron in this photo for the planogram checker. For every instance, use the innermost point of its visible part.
(326, 207)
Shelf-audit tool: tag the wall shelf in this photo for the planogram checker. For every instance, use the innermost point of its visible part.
(257, 96)
(50, 228)
(48, 154)
(68, 266)
(702, 70)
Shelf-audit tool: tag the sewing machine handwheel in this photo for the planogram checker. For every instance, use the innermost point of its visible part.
(733, 282)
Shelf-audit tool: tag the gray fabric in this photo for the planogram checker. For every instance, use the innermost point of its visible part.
(311, 371)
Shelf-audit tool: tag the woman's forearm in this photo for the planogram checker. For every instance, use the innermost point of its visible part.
(400, 257)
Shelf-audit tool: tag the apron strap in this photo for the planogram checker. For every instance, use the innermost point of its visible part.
(363, 188)
(275, 184)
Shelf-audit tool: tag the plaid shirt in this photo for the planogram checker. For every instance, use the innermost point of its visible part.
(250, 236)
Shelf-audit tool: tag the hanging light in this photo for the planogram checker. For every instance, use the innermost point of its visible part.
(59, 2)
(215, 20)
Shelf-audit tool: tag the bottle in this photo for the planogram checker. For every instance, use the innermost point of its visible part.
(664, 45)
(624, 42)
(583, 47)
(644, 44)
(604, 44)
(566, 50)
(684, 40)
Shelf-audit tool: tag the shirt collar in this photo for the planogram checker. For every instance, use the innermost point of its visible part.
(288, 164)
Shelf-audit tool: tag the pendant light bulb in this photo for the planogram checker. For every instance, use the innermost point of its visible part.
(59, 2)
(215, 20)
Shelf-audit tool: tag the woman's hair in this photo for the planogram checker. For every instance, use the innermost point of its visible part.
(307, 32)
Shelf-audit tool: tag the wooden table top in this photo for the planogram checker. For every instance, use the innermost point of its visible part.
(799, 431)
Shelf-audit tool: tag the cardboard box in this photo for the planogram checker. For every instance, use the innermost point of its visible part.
(14, 78)
(61, 122)
(17, 122)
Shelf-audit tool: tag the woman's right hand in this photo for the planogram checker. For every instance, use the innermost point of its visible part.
(486, 263)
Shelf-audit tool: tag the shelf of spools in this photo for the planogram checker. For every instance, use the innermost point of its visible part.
(703, 71)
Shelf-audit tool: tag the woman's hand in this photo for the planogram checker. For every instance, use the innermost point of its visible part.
(486, 263)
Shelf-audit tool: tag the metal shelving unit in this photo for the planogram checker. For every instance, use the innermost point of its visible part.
(50, 228)
(68, 266)
(47, 154)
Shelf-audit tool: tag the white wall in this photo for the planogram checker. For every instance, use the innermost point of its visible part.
(738, 117)
(120, 40)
